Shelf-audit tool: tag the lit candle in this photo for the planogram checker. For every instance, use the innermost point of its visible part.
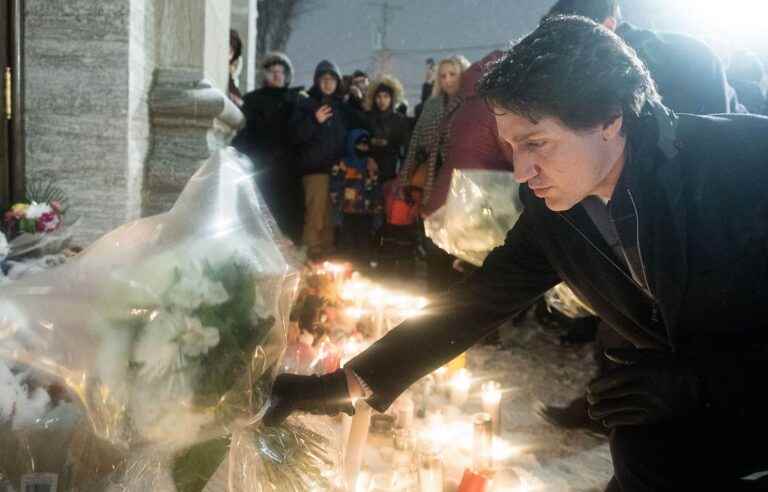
(482, 439)
(358, 438)
(491, 395)
(430, 472)
(404, 410)
(460, 385)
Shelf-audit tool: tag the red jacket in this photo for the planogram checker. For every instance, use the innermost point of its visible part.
(475, 142)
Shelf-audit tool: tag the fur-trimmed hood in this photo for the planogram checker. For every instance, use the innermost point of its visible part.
(398, 93)
(281, 58)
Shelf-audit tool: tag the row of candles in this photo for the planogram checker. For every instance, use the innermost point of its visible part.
(367, 299)
(487, 447)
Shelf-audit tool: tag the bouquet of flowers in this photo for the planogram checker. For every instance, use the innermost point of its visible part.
(165, 335)
(33, 218)
(37, 226)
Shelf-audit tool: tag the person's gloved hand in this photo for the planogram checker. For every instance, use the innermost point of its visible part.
(653, 386)
(321, 395)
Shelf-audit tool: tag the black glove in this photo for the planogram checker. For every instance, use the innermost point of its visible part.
(321, 395)
(654, 386)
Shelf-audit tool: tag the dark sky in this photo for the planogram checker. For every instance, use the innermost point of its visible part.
(342, 30)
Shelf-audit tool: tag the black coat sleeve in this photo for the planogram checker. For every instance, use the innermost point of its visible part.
(512, 277)
(304, 123)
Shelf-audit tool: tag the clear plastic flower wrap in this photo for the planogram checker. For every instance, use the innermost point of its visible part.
(146, 362)
(562, 298)
(482, 206)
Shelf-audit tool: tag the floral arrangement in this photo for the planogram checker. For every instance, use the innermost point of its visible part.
(33, 218)
(168, 347)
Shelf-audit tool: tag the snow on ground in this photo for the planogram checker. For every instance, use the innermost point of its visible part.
(537, 369)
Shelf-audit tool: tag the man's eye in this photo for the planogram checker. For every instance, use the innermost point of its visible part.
(535, 144)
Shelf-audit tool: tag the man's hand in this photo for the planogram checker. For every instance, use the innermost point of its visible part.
(320, 395)
(323, 114)
(652, 387)
(355, 92)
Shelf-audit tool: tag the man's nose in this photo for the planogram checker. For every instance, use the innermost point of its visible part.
(524, 169)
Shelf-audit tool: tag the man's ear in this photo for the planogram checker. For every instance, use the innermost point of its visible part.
(613, 128)
(611, 22)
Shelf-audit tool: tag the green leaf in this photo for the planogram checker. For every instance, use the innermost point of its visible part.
(193, 468)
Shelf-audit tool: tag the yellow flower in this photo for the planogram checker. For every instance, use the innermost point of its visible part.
(20, 208)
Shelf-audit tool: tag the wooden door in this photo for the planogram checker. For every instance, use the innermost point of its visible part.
(11, 103)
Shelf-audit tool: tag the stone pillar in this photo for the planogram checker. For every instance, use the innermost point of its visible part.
(191, 115)
(88, 67)
(244, 15)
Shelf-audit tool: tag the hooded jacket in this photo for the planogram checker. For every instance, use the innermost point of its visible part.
(277, 57)
(353, 189)
(390, 130)
(475, 142)
(320, 146)
(697, 187)
(689, 75)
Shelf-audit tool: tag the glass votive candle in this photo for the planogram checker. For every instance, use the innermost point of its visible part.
(430, 471)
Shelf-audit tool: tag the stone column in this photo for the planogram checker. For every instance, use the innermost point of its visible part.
(244, 15)
(191, 115)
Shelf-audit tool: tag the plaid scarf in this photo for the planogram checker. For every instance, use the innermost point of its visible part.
(431, 138)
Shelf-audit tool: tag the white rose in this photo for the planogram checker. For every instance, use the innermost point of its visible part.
(36, 210)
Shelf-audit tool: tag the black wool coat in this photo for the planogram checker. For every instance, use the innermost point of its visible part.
(266, 139)
(700, 189)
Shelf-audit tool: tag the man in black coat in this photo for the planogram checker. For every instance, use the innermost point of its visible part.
(266, 139)
(690, 79)
(659, 221)
(689, 75)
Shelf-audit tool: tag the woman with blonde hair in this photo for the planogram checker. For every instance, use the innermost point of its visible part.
(427, 153)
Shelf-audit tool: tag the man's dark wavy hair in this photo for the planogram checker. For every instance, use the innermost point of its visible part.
(573, 69)
(597, 10)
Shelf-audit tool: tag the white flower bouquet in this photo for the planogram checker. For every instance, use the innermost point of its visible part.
(166, 335)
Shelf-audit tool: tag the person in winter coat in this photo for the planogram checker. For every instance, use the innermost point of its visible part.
(689, 75)
(690, 79)
(266, 139)
(427, 153)
(746, 74)
(356, 196)
(390, 130)
(358, 89)
(321, 123)
(659, 221)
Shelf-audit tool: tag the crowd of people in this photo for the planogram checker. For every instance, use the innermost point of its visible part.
(641, 192)
(346, 171)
